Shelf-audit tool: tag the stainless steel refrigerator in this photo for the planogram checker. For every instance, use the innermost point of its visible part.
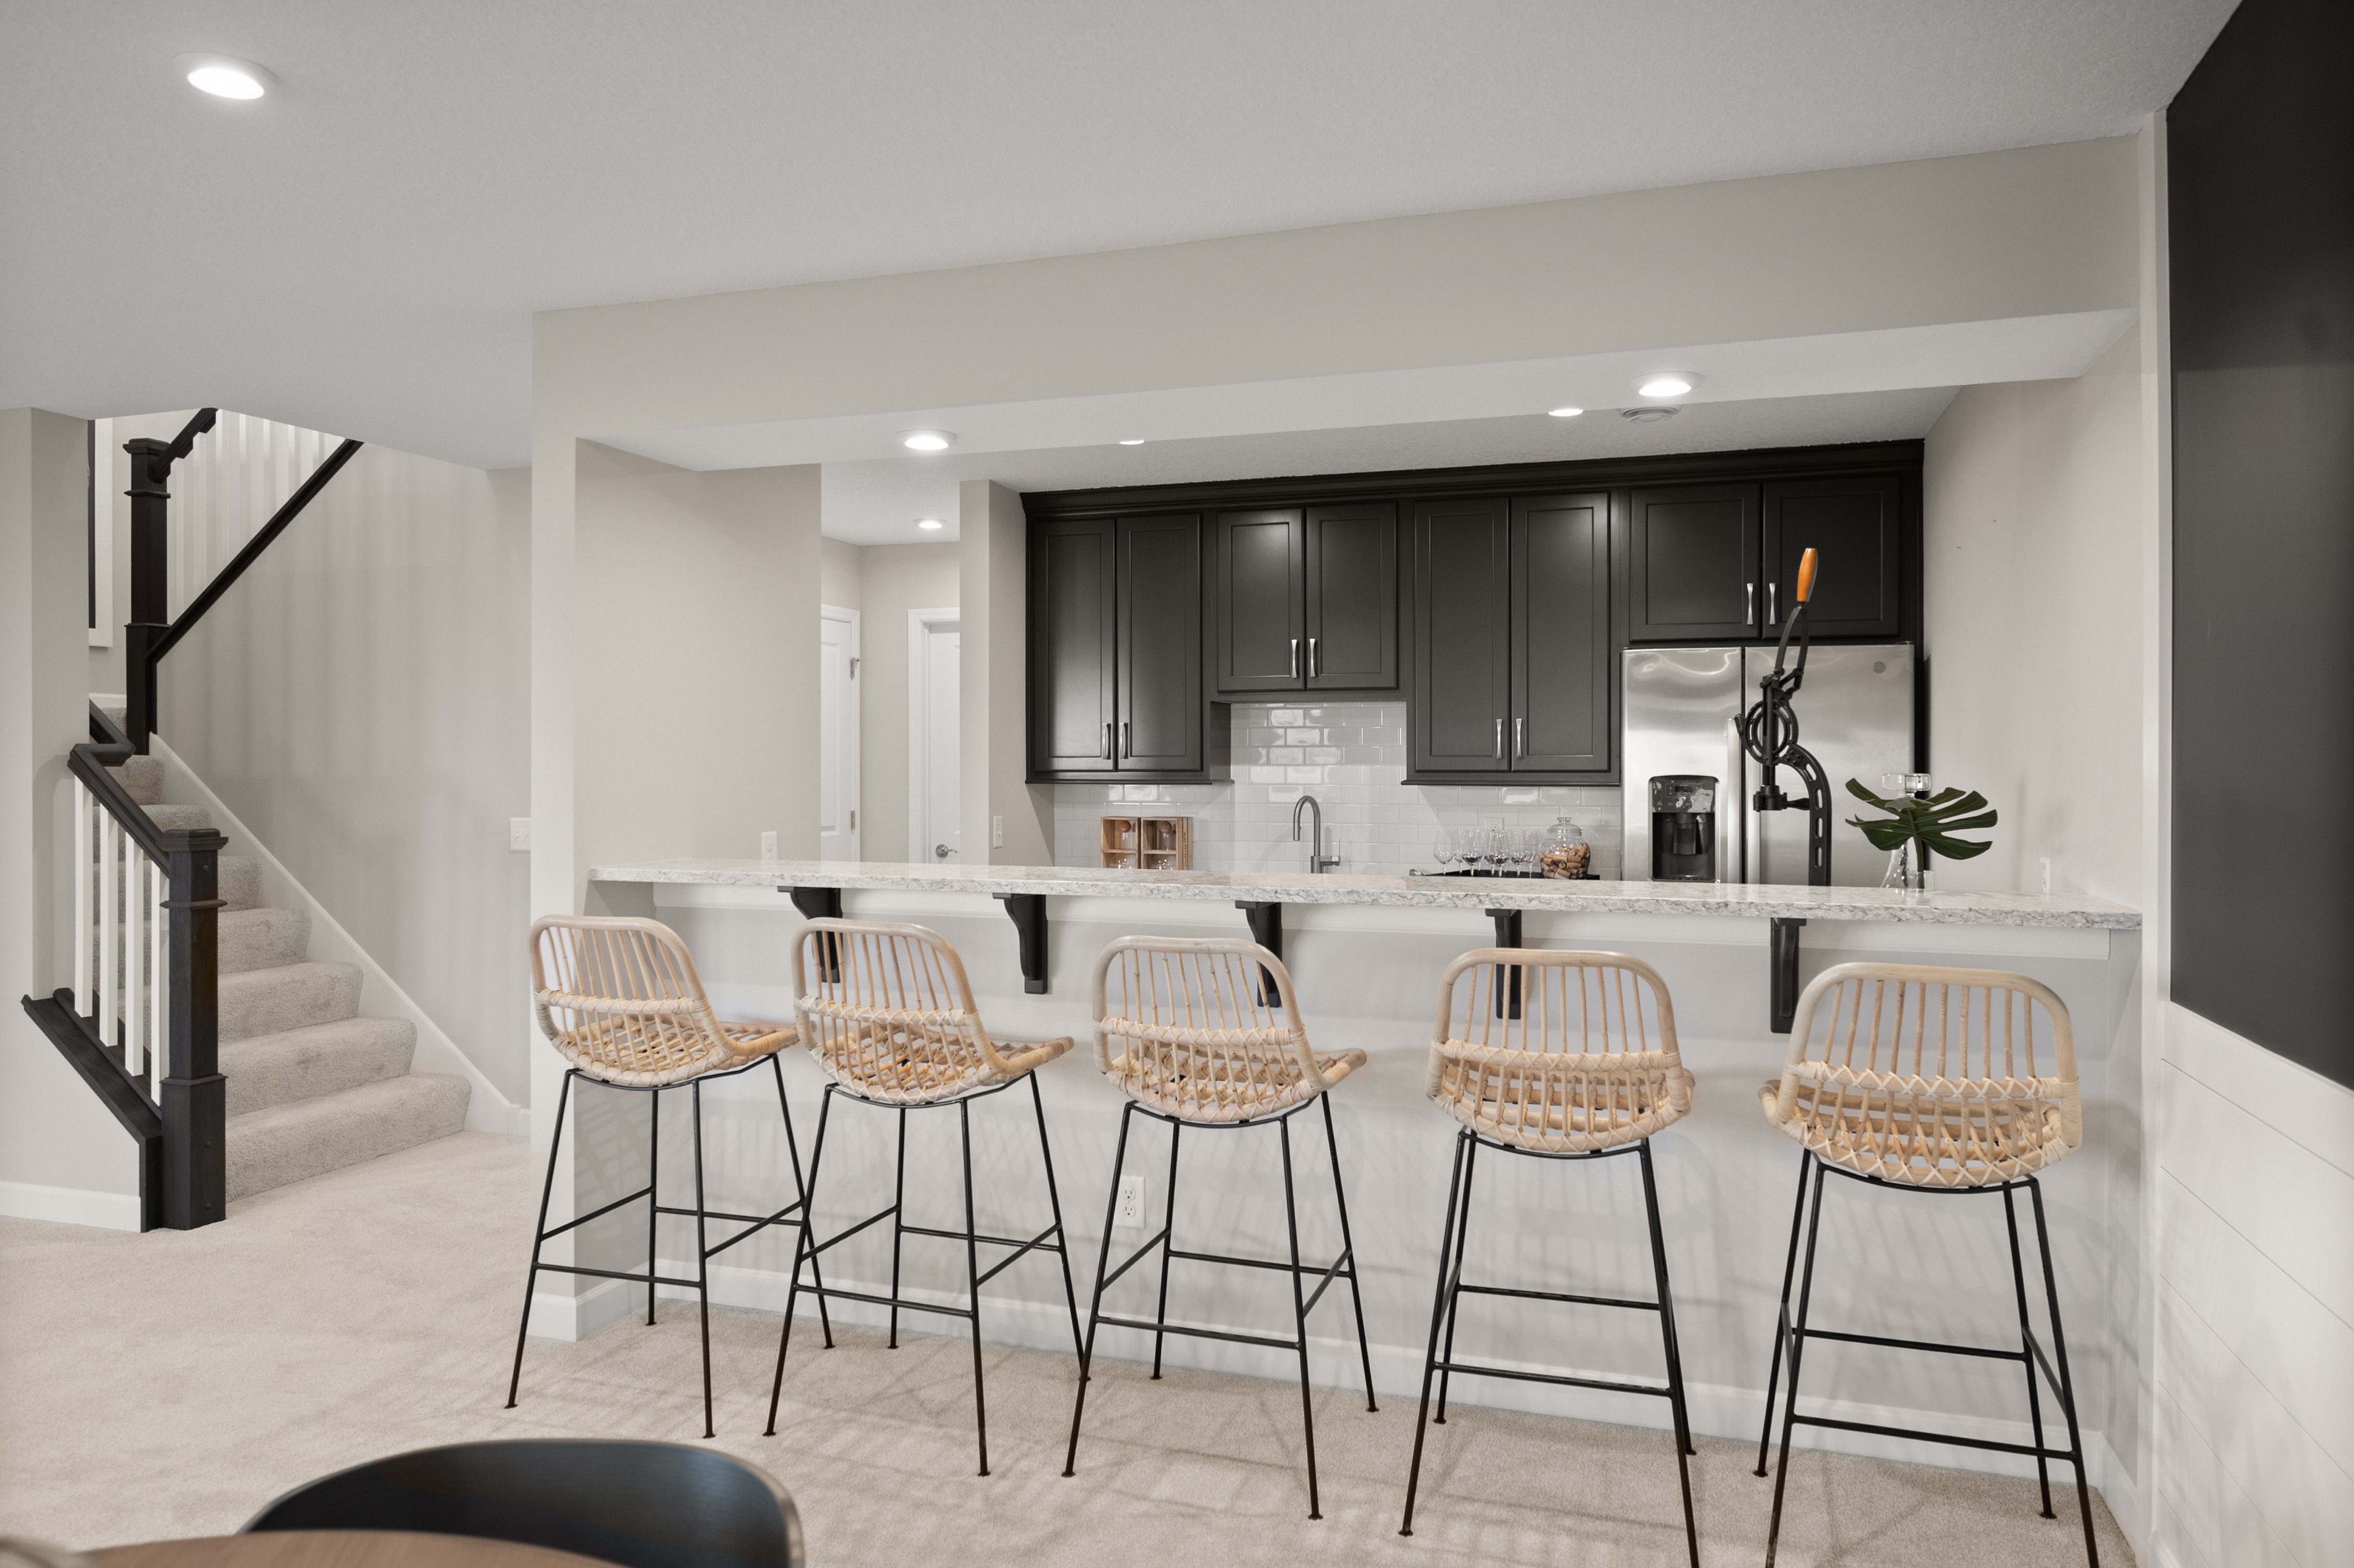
(1683, 707)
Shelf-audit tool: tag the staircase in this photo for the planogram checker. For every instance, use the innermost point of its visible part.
(312, 1087)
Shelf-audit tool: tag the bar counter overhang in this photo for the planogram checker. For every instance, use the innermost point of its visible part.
(1366, 953)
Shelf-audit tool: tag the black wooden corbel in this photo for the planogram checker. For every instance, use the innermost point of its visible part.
(1266, 930)
(1784, 961)
(1507, 935)
(1028, 913)
(821, 904)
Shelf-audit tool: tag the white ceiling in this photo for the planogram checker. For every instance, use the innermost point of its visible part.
(360, 252)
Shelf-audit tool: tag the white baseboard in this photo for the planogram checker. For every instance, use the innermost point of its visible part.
(487, 1110)
(69, 1205)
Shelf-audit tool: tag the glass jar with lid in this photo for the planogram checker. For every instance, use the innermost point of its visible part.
(1566, 853)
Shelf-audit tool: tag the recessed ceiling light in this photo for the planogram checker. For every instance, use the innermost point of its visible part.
(927, 441)
(931, 525)
(1646, 416)
(1564, 413)
(1670, 384)
(224, 75)
(1133, 441)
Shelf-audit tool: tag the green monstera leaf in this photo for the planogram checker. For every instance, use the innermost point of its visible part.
(1928, 823)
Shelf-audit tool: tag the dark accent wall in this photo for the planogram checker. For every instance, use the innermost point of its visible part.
(2260, 187)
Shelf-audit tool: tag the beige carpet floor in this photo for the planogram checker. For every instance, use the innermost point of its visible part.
(169, 1384)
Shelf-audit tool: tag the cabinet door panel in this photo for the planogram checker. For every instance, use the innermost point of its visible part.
(1351, 600)
(1694, 571)
(1462, 655)
(1072, 706)
(1853, 520)
(1160, 643)
(1261, 567)
(1561, 633)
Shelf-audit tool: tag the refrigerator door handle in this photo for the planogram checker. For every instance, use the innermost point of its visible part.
(1733, 810)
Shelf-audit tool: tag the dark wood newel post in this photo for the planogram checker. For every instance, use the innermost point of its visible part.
(151, 467)
(195, 1095)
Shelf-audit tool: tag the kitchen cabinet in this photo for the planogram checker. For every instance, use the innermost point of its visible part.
(1305, 600)
(1462, 636)
(1853, 520)
(1116, 647)
(1694, 572)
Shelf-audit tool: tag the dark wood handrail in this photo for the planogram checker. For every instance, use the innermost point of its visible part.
(253, 548)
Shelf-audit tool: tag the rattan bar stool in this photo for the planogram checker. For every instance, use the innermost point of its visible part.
(1555, 1056)
(620, 998)
(1927, 1079)
(889, 1013)
(1207, 1033)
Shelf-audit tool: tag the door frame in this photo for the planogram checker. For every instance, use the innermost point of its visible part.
(922, 624)
(826, 612)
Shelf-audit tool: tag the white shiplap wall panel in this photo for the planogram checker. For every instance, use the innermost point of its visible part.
(2205, 1518)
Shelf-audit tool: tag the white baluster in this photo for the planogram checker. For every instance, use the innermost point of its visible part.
(134, 956)
(84, 1003)
(109, 884)
(159, 991)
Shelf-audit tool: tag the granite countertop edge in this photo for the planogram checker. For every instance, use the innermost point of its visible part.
(1749, 901)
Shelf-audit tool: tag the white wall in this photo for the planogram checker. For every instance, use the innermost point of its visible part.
(62, 1155)
(898, 579)
(841, 573)
(993, 718)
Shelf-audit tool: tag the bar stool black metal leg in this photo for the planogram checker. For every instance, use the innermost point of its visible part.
(2067, 1384)
(1438, 1316)
(2027, 1352)
(800, 1190)
(972, 1280)
(539, 1238)
(1455, 1276)
(1054, 1200)
(702, 1258)
(1094, 1303)
(1349, 1251)
(805, 1249)
(653, 1197)
(1797, 1334)
(1668, 1347)
(1790, 1266)
(1168, 1240)
(1300, 1316)
(898, 1221)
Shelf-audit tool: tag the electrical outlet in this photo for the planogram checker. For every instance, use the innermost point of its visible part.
(519, 833)
(768, 844)
(2046, 864)
(997, 832)
(1128, 1213)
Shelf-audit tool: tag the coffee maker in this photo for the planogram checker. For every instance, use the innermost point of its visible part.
(1683, 827)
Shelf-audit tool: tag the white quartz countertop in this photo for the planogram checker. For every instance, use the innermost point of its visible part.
(1758, 901)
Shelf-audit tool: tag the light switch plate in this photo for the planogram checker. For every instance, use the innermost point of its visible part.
(519, 833)
(997, 832)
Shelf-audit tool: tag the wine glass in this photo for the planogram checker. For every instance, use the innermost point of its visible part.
(1442, 848)
(1497, 850)
(1524, 850)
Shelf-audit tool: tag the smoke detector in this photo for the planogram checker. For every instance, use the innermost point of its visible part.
(1647, 416)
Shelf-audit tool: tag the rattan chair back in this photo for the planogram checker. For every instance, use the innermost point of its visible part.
(1935, 1077)
(887, 1011)
(1206, 1029)
(620, 997)
(1579, 1054)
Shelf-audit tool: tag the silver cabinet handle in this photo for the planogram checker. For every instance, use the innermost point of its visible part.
(1499, 740)
(1106, 745)
(1312, 658)
(1520, 737)
(1773, 603)
(1749, 604)
(1126, 747)
(1295, 658)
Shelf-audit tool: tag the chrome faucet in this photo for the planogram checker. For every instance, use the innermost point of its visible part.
(1317, 863)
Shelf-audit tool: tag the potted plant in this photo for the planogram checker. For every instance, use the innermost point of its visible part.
(1915, 826)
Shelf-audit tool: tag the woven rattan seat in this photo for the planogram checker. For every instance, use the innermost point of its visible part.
(1933, 1077)
(618, 997)
(1582, 1056)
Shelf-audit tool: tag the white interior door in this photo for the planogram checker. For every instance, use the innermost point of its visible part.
(932, 748)
(837, 721)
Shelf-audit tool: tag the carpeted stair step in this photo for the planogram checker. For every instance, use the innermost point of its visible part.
(240, 883)
(168, 817)
(308, 1138)
(141, 778)
(262, 939)
(293, 996)
(321, 1059)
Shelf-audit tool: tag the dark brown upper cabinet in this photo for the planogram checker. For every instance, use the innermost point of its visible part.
(1853, 523)
(1694, 572)
(1561, 664)
(1115, 613)
(1306, 599)
(1462, 637)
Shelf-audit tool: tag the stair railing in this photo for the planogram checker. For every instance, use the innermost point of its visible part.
(140, 1020)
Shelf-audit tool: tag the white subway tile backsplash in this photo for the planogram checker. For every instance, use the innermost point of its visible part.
(1350, 757)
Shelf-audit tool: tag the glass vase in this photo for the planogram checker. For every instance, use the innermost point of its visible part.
(1904, 872)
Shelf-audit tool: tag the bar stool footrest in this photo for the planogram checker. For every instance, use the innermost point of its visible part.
(2027, 1450)
(1563, 1379)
